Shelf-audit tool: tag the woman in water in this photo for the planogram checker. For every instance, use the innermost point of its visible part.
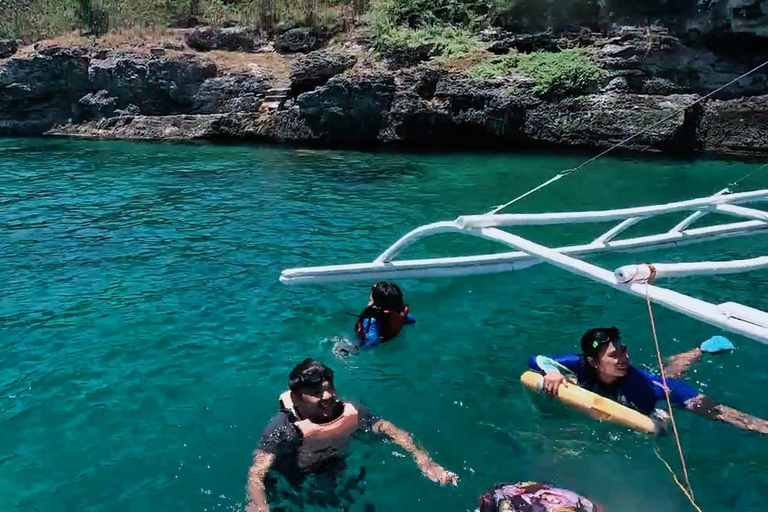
(383, 317)
(380, 321)
(603, 367)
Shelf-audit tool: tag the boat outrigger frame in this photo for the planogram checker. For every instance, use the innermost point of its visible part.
(632, 279)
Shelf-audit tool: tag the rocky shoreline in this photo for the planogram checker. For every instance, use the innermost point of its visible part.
(340, 96)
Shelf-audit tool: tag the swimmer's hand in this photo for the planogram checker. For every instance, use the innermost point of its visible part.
(552, 381)
(428, 467)
(660, 420)
(436, 473)
(716, 344)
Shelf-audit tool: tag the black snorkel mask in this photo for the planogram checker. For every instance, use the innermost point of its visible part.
(312, 379)
(597, 345)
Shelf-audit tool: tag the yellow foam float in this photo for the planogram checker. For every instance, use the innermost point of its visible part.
(598, 407)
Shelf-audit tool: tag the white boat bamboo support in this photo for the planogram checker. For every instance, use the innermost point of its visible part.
(744, 313)
(617, 230)
(740, 211)
(508, 261)
(730, 316)
(644, 271)
(689, 306)
(683, 224)
(530, 219)
(414, 236)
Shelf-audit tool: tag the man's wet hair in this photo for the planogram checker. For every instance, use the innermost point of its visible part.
(298, 378)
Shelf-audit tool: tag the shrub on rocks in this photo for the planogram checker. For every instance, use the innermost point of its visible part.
(564, 73)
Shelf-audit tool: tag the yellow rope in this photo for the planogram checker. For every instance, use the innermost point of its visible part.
(689, 491)
(677, 481)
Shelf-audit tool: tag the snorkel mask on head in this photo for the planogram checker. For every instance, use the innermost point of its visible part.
(596, 344)
(312, 378)
(594, 339)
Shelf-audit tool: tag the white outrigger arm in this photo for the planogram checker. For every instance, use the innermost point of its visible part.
(632, 279)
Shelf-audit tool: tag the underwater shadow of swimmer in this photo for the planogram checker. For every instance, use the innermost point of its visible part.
(343, 348)
(328, 490)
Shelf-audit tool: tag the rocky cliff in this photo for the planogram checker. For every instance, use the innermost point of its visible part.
(651, 82)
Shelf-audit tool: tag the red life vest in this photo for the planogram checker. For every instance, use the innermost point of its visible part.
(391, 322)
(321, 440)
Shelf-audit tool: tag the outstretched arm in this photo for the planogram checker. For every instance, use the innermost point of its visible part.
(678, 364)
(257, 497)
(703, 406)
(428, 467)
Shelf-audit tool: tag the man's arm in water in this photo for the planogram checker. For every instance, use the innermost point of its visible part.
(257, 497)
(428, 467)
(279, 437)
(703, 406)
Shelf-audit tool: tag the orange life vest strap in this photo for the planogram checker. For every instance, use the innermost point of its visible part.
(340, 428)
(286, 403)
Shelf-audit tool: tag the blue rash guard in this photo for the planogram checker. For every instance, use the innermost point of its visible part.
(371, 333)
(638, 389)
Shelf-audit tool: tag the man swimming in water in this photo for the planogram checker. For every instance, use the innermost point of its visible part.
(603, 367)
(313, 428)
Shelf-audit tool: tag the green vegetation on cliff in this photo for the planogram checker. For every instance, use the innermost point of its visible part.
(35, 19)
(32, 20)
(569, 71)
(422, 13)
(558, 73)
(436, 40)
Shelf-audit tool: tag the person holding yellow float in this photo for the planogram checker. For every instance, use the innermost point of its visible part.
(603, 367)
(312, 429)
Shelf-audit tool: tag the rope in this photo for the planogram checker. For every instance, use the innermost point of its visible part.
(748, 175)
(536, 189)
(619, 144)
(677, 481)
(689, 492)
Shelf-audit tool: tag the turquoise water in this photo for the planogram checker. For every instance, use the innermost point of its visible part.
(145, 336)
